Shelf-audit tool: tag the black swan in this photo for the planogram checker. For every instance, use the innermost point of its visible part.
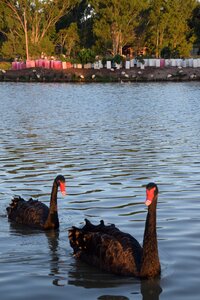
(34, 213)
(117, 252)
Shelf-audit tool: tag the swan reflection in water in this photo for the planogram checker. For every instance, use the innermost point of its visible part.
(110, 297)
(52, 237)
(150, 290)
(82, 275)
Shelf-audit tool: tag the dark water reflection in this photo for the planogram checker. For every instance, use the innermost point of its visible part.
(109, 141)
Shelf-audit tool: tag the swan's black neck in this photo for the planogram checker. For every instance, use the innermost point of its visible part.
(150, 266)
(52, 220)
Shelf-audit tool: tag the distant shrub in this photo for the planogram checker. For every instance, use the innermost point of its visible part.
(5, 65)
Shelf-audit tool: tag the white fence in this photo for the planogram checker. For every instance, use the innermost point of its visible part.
(133, 63)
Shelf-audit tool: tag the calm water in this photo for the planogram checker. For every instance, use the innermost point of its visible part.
(109, 141)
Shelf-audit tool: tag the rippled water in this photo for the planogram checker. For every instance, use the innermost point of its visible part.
(109, 140)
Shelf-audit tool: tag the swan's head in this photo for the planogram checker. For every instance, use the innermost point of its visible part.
(60, 180)
(151, 193)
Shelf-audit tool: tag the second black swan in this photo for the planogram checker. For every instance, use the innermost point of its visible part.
(36, 214)
(114, 251)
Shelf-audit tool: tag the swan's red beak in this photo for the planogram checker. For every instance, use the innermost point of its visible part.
(63, 188)
(149, 196)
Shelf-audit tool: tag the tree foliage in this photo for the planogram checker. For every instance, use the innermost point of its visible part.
(86, 56)
(68, 38)
(164, 27)
(116, 20)
(168, 27)
(195, 23)
(36, 18)
(179, 36)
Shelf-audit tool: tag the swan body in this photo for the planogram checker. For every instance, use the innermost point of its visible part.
(114, 251)
(34, 213)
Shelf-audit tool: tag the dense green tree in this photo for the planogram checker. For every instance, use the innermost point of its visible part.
(168, 27)
(156, 26)
(115, 22)
(81, 15)
(179, 35)
(195, 25)
(32, 22)
(68, 38)
(164, 27)
(86, 56)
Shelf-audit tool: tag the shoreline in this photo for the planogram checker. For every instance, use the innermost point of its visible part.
(149, 74)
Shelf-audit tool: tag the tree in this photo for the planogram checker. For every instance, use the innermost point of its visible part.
(167, 27)
(33, 21)
(68, 37)
(195, 22)
(180, 37)
(115, 21)
(82, 15)
(157, 24)
(86, 56)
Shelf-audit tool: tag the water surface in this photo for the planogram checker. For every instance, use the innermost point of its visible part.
(109, 140)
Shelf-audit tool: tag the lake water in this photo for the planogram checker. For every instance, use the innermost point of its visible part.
(109, 140)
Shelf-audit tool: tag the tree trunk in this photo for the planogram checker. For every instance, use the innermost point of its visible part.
(26, 36)
(157, 43)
